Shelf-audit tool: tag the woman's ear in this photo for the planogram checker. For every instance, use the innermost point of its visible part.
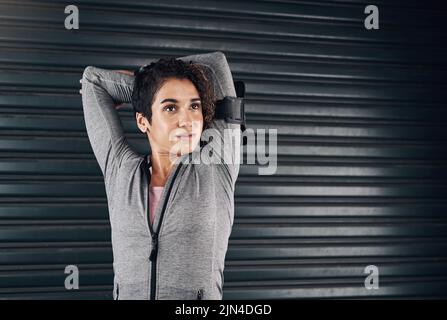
(142, 122)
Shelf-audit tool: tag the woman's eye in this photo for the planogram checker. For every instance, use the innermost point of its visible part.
(169, 108)
(196, 106)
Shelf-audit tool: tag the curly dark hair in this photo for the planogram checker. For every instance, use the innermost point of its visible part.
(150, 78)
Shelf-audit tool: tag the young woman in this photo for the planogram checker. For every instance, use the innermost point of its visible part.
(170, 218)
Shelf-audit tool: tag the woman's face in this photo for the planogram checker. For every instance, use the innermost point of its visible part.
(177, 119)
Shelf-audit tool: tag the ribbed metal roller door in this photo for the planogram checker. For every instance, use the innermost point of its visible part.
(361, 119)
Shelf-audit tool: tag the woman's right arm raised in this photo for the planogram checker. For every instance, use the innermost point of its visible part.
(102, 91)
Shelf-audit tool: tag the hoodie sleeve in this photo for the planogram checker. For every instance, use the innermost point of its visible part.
(101, 90)
(226, 137)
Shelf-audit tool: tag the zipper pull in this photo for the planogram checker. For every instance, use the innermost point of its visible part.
(154, 247)
(200, 294)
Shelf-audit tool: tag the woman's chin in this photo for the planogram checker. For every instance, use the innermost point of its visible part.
(186, 148)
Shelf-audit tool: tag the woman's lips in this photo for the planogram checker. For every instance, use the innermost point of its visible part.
(185, 137)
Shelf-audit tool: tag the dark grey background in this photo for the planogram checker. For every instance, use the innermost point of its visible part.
(361, 117)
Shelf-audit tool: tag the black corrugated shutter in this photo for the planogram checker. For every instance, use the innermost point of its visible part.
(361, 117)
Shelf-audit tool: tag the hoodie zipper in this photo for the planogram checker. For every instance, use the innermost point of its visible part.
(154, 235)
(200, 294)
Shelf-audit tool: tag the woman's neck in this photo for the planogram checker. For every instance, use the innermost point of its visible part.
(161, 168)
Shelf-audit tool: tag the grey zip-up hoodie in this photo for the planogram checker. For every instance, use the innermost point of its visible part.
(182, 255)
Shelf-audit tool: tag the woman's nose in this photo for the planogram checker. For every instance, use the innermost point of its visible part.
(185, 119)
